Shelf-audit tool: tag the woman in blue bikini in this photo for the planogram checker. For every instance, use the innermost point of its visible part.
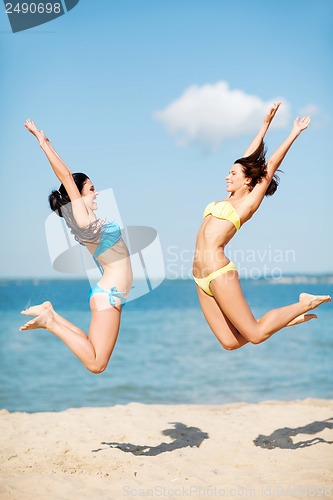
(76, 202)
(220, 294)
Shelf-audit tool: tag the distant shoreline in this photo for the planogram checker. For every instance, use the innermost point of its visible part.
(286, 279)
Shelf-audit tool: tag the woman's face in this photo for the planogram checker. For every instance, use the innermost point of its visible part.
(236, 178)
(89, 194)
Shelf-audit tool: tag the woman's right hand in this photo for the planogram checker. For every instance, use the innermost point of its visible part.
(39, 134)
(271, 113)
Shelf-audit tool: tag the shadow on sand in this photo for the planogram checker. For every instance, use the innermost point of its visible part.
(281, 438)
(182, 436)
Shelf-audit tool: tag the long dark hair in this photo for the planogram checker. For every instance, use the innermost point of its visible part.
(61, 204)
(255, 167)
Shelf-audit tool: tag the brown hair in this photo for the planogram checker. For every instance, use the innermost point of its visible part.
(255, 167)
(61, 204)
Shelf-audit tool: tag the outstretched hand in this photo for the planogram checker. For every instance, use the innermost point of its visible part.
(271, 113)
(39, 134)
(302, 124)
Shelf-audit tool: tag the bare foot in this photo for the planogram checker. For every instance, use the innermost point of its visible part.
(302, 319)
(313, 301)
(41, 321)
(39, 309)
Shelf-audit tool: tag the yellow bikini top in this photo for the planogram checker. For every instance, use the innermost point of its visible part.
(223, 210)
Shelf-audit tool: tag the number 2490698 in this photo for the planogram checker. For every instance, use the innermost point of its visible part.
(33, 8)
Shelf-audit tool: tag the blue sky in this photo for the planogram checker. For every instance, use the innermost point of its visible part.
(94, 80)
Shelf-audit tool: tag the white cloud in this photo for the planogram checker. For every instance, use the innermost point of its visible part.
(309, 109)
(212, 113)
(319, 119)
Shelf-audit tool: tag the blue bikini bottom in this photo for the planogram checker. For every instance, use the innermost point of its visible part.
(112, 293)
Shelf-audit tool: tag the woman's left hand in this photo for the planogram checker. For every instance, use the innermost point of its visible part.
(302, 124)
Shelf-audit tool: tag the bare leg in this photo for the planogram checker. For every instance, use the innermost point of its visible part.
(228, 336)
(225, 332)
(45, 306)
(302, 319)
(94, 350)
(230, 298)
(274, 320)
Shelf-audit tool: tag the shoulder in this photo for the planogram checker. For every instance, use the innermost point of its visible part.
(255, 197)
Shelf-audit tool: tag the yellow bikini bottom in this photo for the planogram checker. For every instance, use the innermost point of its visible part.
(205, 282)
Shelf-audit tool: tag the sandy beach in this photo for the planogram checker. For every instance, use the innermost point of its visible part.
(272, 449)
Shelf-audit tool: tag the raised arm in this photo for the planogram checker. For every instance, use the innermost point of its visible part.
(257, 194)
(63, 173)
(262, 132)
(59, 167)
(278, 156)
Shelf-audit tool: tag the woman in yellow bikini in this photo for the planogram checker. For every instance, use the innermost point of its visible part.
(220, 294)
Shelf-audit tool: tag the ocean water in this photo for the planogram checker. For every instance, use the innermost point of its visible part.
(165, 352)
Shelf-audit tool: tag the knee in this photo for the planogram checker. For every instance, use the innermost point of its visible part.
(254, 336)
(256, 340)
(230, 345)
(97, 368)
